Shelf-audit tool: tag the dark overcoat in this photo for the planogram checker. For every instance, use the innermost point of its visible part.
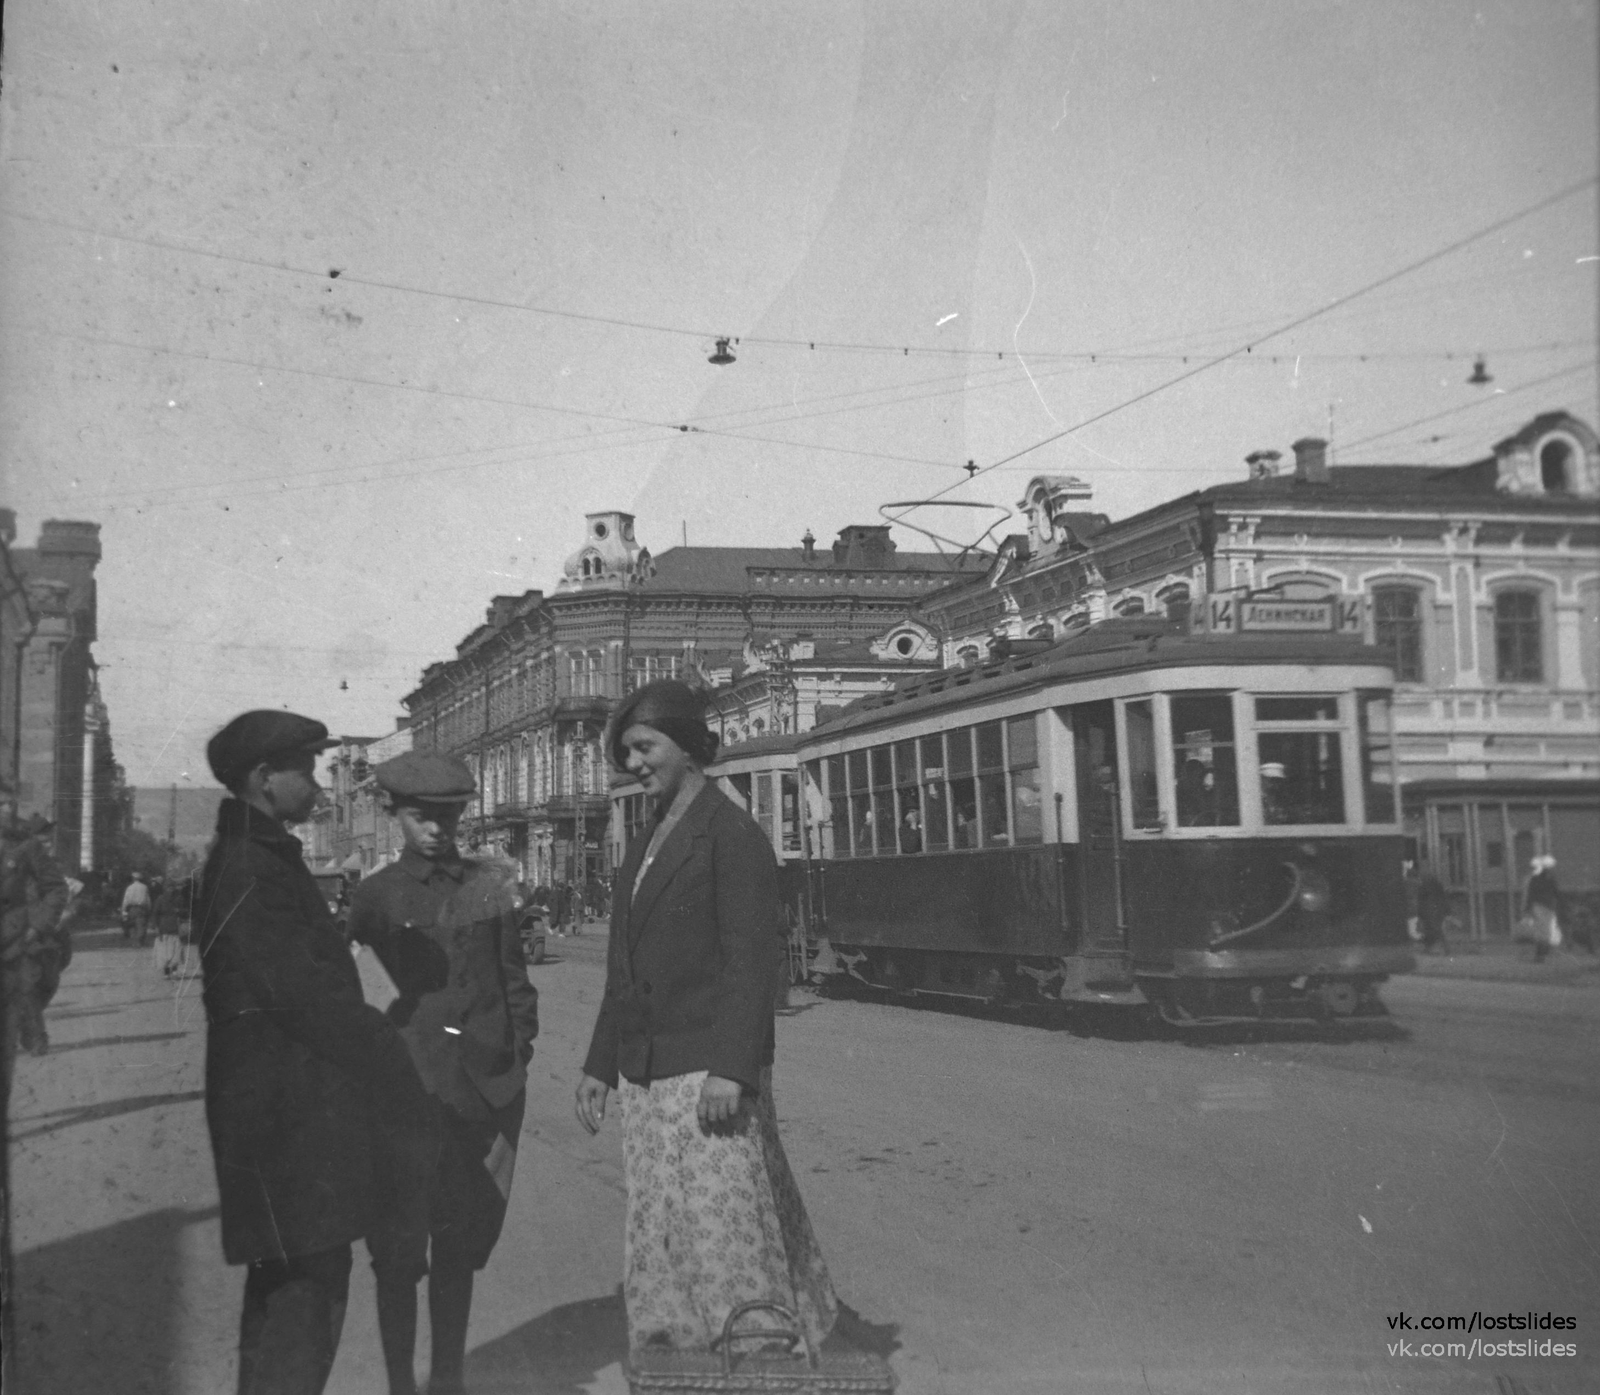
(311, 1097)
(446, 930)
(692, 966)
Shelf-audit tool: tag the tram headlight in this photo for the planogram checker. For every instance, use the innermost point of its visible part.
(1315, 894)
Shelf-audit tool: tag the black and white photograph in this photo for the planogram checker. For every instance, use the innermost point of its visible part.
(876, 696)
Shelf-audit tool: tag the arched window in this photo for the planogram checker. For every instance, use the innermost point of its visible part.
(967, 656)
(1397, 627)
(1518, 637)
(1076, 621)
(1042, 631)
(1134, 605)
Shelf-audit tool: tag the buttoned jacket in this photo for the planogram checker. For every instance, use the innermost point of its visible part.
(692, 964)
(446, 930)
(33, 892)
(311, 1097)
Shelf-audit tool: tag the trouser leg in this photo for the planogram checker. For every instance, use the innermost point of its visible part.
(293, 1315)
(449, 1309)
(397, 1329)
(29, 1010)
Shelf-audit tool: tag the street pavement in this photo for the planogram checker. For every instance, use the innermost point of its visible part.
(1007, 1205)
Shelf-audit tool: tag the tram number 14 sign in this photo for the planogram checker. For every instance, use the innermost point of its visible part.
(1257, 614)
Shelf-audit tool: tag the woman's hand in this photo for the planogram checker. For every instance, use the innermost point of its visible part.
(719, 1101)
(592, 1095)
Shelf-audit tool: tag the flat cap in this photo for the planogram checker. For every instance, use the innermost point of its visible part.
(430, 776)
(263, 734)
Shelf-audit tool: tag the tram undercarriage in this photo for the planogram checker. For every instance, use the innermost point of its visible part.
(1104, 980)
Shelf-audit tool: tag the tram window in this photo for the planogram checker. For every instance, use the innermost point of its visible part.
(1302, 780)
(1142, 764)
(1377, 768)
(883, 820)
(789, 812)
(1027, 784)
(963, 790)
(1297, 709)
(838, 807)
(763, 805)
(1204, 769)
(935, 806)
(996, 826)
(907, 805)
(860, 804)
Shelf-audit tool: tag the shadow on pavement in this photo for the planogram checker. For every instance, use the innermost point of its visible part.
(852, 1332)
(60, 1048)
(88, 1113)
(557, 1353)
(102, 1311)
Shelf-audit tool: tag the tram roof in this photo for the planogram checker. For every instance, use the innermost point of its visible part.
(1124, 645)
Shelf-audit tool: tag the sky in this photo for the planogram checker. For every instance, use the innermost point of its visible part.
(1035, 236)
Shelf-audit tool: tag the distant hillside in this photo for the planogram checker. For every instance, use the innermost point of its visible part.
(196, 815)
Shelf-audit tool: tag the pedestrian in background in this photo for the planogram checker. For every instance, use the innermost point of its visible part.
(1541, 906)
(685, 1038)
(1433, 905)
(319, 1125)
(446, 930)
(135, 909)
(33, 895)
(169, 924)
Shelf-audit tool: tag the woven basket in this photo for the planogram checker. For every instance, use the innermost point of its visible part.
(801, 1371)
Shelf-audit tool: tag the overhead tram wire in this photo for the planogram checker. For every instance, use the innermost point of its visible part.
(1090, 356)
(1471, 406)
(1293, 324)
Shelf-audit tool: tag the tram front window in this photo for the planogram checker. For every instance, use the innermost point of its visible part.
(992, 785)
(1142, 765)
(860, 805)
(1027, 786)
(1204, 771)
(1302, 775)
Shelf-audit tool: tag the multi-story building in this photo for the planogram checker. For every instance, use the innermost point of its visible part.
(528, 694)
(52, 722)
(1483, 581)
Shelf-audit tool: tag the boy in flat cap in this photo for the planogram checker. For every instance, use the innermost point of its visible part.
(318, 1121)
(445, 927)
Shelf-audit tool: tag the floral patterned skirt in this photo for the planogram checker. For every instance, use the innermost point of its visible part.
(714, 1219)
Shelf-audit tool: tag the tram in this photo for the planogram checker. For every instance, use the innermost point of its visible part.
(1206, 822)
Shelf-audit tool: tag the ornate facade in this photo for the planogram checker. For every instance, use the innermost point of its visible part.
(528, 694)
(1482, 579)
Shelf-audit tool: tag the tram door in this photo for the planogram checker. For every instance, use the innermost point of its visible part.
(1094, 735)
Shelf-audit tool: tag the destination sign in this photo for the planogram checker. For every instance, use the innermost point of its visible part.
(1286, 615)
(1266, 614)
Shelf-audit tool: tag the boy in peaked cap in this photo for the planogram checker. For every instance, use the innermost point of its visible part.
(445, 928)
(319, 1124)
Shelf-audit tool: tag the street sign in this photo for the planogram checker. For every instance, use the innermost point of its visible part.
(1287, 616)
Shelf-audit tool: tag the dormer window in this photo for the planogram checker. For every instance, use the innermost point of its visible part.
(600, 529)
(1557, 459)
(905, 646)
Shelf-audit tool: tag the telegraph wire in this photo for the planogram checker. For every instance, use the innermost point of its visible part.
(1091, 356)
(1212, 362)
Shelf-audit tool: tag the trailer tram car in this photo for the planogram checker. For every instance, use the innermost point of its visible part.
(1206, 823)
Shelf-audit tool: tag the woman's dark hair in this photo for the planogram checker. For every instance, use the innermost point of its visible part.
(675, 710)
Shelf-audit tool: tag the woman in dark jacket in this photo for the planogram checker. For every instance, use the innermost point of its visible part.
(685, 1037)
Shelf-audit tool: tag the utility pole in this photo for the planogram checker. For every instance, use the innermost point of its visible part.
(172, 817)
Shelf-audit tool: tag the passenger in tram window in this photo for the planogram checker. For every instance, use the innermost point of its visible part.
(964, 807)
(911, 832)
(996, 830)
(936, 834)
(1197, 795)
(1274, 806)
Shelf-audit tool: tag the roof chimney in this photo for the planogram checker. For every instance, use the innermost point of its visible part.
(1263, 464)
(808, 547)
(1311, 460)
